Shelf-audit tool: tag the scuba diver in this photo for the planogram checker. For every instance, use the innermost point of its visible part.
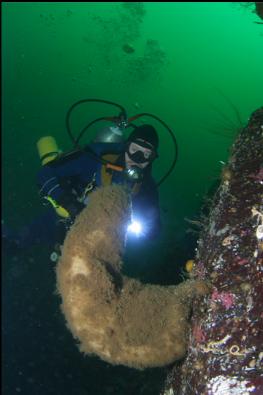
(66, 179)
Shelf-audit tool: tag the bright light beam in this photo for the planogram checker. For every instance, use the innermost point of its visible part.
(135, 227)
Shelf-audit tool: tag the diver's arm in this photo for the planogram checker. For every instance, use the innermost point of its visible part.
(63, 201)
(71, 165)
(48, 183)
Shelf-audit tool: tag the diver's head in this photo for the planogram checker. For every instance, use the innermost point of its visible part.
(141, 148)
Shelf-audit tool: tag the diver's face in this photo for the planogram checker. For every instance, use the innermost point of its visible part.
(130, 163)
(139, 155)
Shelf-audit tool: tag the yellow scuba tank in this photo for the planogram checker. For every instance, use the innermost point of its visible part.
(48, 151)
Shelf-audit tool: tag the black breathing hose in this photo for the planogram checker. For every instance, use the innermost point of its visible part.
(124, 115)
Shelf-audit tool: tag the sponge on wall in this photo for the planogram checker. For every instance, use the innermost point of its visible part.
(115, 317)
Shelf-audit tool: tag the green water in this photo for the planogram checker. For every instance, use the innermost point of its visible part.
(55, 54)
(197, 66)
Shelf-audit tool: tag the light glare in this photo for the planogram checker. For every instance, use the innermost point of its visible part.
(135, 227)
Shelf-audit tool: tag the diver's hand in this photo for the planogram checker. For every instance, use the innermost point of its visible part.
(71, 204)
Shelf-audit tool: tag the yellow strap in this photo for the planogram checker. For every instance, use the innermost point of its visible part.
(62, 212)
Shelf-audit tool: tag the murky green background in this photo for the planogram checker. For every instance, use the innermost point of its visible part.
(197, 66)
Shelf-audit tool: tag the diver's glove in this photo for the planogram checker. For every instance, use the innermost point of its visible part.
(71, 205)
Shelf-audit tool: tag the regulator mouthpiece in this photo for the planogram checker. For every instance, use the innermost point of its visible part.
(134, 173)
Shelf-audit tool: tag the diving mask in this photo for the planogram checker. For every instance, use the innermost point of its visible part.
(140, 152)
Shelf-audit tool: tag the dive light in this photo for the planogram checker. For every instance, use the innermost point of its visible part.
(135, 227)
